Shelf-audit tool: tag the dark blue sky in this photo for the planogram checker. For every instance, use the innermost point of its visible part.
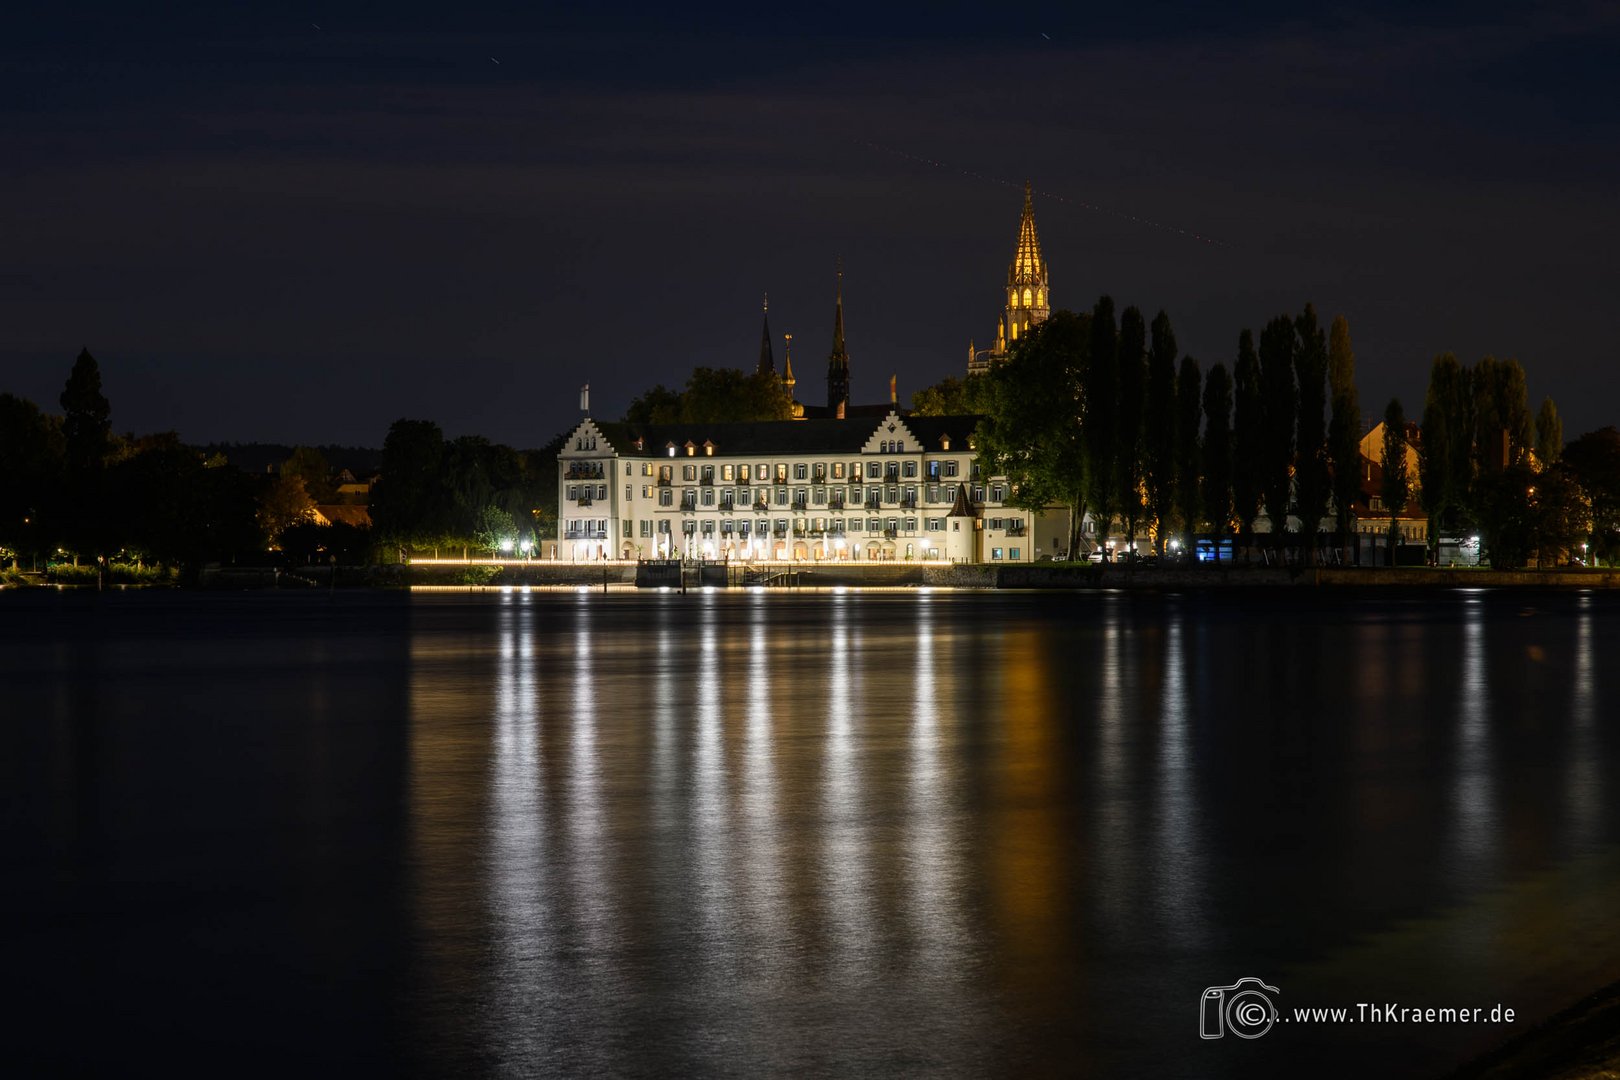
(270, 231)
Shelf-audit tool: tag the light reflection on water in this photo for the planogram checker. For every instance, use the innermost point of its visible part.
(894, 834)
(722, 833)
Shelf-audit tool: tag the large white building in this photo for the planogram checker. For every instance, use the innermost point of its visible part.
(861, 489)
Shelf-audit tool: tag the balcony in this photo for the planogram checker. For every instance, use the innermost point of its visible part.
(1017, 530)
(874, 502)
(664, 481)
(760, 506)
(584, 500)
(836, 502)
(583, 470)
(909, 502)
(688, 505)
(585, 534)
(727, 503)
(801, 503)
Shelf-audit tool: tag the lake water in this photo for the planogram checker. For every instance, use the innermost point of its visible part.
(741, 834)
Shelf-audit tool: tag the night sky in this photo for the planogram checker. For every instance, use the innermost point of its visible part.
(269, 231)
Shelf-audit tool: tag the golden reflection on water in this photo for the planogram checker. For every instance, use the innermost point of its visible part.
(777, 822)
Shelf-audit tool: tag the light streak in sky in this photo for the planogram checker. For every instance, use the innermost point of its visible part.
(1121, 215)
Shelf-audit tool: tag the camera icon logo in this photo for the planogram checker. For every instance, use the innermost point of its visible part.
(1244, 1008)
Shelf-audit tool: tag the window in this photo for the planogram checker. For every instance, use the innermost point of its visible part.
(995, 523)
(708, 496)
(781, 472)
(910, 468)
(801, 471)
(742, 495)
(874, 525)
(838, 470)
(873, 470)
(626, 530)
(601, 491)
(646, 468)
(950, 468)
(727, 473)
(1012, 553)
(819, 496)
(629, 492)
(854, 494)
(995, 492)
(572, 492)
(708, 529)
(646, 528)
(995, 553)
(857, 524)
(688, 472)
(666, 496)
(708, 474)
(742, 474)
(781, 496)
(933, 493)
(935, 524)
(725, 528)
(666, 474)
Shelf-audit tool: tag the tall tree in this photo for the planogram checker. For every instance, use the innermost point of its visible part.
(1278, 406)
(1501, 411)
(1396, 487)
(1248, 437)
(1445, 463)
(1311, 479)
(1101, 427)
(1217, 458)
(1129, 417)
(410, 504)
(1188, 451)
(87, 440)
(1031, 431)
(1344, 428)
(1159, 430)
(85, 425)
(1595, 460)
(1549, 433)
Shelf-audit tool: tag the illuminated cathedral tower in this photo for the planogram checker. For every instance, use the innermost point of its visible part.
(1029, 298)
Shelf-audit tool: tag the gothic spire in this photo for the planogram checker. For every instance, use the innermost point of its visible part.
(787, 363)
(767, 359)
(1028, 268)
(838, 361)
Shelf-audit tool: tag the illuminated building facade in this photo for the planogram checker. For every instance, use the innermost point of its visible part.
(1028, 290)
(869, 490)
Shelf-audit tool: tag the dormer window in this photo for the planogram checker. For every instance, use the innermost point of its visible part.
(944, 442)
(671, 449)
(691, 448)
(708, 448)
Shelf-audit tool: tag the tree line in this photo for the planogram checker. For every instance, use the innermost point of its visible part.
(1099, 412)
(71, 489)
(466, 493)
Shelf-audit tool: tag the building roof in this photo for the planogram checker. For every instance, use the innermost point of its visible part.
(817, 436)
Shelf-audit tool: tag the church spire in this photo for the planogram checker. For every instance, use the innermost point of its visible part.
(767, 359)
(838, 361)
(1028, 268)
(787, 363)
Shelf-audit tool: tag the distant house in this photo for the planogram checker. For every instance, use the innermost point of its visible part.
(1372, 516)
(344, 513)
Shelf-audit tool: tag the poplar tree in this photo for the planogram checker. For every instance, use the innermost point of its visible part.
(87, 438)
(1445, 452)
(1549, 433)
(1187, 449)
(1397, 484)
(1344, 428)
(1132, 399)
(1248, 441)
(1311, 482)
(1101, 400)
(1278, 406)
(1159, 429)
(1217, 455)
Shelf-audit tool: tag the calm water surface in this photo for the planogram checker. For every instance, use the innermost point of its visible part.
(740, 834)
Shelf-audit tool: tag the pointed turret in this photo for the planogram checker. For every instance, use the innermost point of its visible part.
(767, 359)
(838, 361)
(1028, 268)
